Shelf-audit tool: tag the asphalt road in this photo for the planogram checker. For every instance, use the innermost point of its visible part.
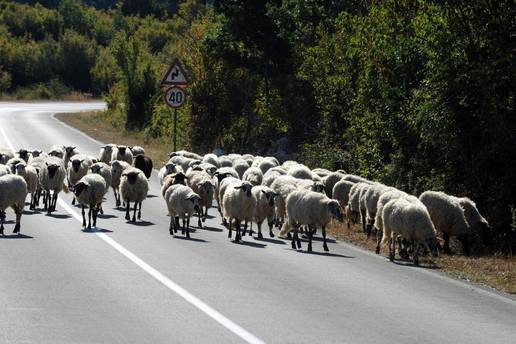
(134, 283)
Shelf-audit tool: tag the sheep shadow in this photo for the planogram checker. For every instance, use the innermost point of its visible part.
(189, 239)
(409, 263)
(212, 229)
(251, 244)
(107, 216)
(96, 230)
(140, 223)
(271, 241)
(152, 196)
(325, 254)
(58, 216)
(31, 212)
(15, 236)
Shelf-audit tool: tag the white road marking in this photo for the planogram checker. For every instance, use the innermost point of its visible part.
(187, 296)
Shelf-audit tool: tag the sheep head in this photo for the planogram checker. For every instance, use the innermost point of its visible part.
(122, 149)
(335, 210)
(80, 187)
(131, 176)
(23, 154)
(76, 164)
(246, 188)
(52, 169)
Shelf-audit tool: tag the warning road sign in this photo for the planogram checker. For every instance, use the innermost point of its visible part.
(175, 97)
(175, 75)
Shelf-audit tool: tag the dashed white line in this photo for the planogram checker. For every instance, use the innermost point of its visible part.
(187, 296)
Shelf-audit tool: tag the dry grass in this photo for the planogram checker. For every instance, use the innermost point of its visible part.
(493, 271)
(96, 125)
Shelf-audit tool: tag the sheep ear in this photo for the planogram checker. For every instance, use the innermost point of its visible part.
(46, 163)
(265, 192)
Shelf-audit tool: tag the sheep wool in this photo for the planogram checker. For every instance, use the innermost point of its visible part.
(30, 175)
(253, 175)
(133, 188)
(122, 153)
(90, 191)
(106, 152)
(238, 205)
(117, 168)
(264, 208)
(13, 191)
(181, 201)
(52, 178)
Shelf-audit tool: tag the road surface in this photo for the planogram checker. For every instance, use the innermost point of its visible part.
(134, 283)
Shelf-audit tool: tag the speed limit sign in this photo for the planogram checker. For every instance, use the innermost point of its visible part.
(175, 97)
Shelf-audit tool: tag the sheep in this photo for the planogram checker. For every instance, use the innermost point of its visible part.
(212, 159)
(224, 161)
(264, 208)
(30, 175)
(182, 161)
(340, 192)
(137, 150)
(104, 170)
(356, 179)
(52, 179)
(220, 174)
(90, 191)
(282, 186)
(78, 168)
(329, 182)
(144, 163)
(117, 168)
(448, 218)
(300, 172)
(11, 163)
(57, 151)
(272, 174)
(209, 168)
(253, 175)
(240, 166)
(173, 179)
(4, 170)
(181, 201)
(133, 188)
(287, 165)
(411, 221)
(186, 154)
(313, 209)
(202, 184)
(39, 164)
(239, 204)
(122, 153)
(353, 210)
(23, 154)
(321, 172)
(35, 153)
(168, 168)
(371, 197)
(255, 161)
(5, 155)
(267, 163)
(477, 223)
(106, 152)
(70, 151)
(13, 191)
(223, 185)
(382, 201)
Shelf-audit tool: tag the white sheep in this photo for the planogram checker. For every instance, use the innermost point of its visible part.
(4, 170)
(264, 208)
(137, 150)
(329, 182)
(23, 154)
(39, 164)
(13, 191)
(122, 153)
(106, 152)
(104, 170)
(448, 218)
(477, 223)
(253, 175)
(211, 159)
(378, 221)
(182, 202)
(167, 169)
(272, 174)
(90, 191)
(288, 164)
(370, 200)
(78, 168)
(300, 172)
(321, 172)
(341, 191)
(356, 179)
(225, 161)
(312, 209)
(70, 151)
(57, 151)
(238, 205)
(219, 175)
(186, 154)
(52, 180)
(182, 161)
(267, 163)
(133, 188)
(11, 163)
(117, 168)
(203, 185)
(411, 221)
(30, 175)
(5, 155)
(240, 167)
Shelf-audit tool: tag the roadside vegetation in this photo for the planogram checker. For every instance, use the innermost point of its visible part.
(418, 95)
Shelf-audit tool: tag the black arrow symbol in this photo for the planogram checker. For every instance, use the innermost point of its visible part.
(174, 74)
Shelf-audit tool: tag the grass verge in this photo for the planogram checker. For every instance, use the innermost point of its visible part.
(492, 271)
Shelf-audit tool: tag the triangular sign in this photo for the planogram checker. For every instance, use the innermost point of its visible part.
(175, 75)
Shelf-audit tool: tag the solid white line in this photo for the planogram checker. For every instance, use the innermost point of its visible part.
(187, 296)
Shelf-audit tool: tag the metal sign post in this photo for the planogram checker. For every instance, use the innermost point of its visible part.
(175, 96)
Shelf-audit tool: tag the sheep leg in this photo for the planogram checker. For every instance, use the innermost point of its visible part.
(99, 209)
(416, 254)
(73, 200)
(176, 219)
(325, 245)
(271, 225)
(95, 214)
(172, 224)
(310, 235)
(117, 197)
(205, 214)
(2, 219)
(259, 235)
(392, 249)
(140, 211)
(127, 217)
(238, 236)
(199, 222)
(89, 217)
(188, 227)
(134, 211)
(83, 217)
(446, 247)
(298, 241)
(31, 206)
(379, 236)
(18, 210)
(54, 200)
(229, 230)
(184, 225)
(245, 228)
(363, 218)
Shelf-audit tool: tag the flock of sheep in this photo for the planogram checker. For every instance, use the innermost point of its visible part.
(248, 189)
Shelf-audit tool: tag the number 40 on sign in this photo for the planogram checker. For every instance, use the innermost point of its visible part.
(175, 97)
